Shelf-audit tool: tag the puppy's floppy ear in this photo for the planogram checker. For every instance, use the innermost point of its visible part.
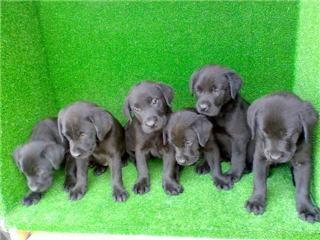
(54, 153)
(126, 109)
(203, 128)
(251, 118)
(192, 81)
(167, 92)
(235, 83)
(16, 155)
(308, 117)
(165, 137)
(102, 122)
(60, 117)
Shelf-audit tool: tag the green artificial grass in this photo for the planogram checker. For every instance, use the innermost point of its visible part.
(53, 53)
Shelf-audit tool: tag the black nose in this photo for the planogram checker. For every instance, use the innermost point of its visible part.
(203, 106)
(275, 155)
(151, 121)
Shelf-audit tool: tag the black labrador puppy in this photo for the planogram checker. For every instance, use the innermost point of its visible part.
(92, 133)
(39, 157)
(282, 124)
(147, 106)
(216, 89)
(191, 135)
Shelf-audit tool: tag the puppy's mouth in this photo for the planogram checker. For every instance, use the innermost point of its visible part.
(283, 159)
(211, 111)
(186, 161)
(153, 126)
(39, 188)
(83, 155)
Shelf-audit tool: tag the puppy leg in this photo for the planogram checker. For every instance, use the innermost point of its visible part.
(169, 180)
(257, 201)
(142, 184)
(79, 189)
(203, 168)
(31, 198)
(238, 158)
(119, 193)
(306, 209)
(221, 181)
(70, 172)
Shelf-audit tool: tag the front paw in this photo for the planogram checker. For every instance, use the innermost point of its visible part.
(172, 188)
(119, 194)
(234, 176)
(202, 168)
(223, 182)
(77, 193)
(68, 185)
(310, 214)
(255, 206)
(142, 186)
(31, 199)
(99, 170)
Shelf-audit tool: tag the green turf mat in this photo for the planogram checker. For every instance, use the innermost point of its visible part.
(56, 52)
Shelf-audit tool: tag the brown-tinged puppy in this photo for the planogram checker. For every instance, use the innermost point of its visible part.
(147, 107)
(282, 125)
(92, 132)
(217, 91)
(191, 136)
(39, 158)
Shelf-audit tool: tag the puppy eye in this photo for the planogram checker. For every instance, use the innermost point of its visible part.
(136, 109)
(154, 101)
(214, 89)
(82, 135)
(188, 142)
(199, 89)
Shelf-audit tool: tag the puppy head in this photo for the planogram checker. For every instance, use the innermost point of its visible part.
(187, 132)
(214, 86)
(37, 160)
(83, 125)
(281, 121)
(149, 102)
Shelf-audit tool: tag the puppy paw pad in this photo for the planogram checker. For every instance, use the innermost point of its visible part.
(141, 187)
(255, 207)
(76, 194)
(202, 169)
(223, 184)
(120, 195)
(173, 188)
(310, 215)
(28, 201)
(67, 186)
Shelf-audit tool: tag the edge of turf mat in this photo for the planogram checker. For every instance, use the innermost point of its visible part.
(210, 215)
